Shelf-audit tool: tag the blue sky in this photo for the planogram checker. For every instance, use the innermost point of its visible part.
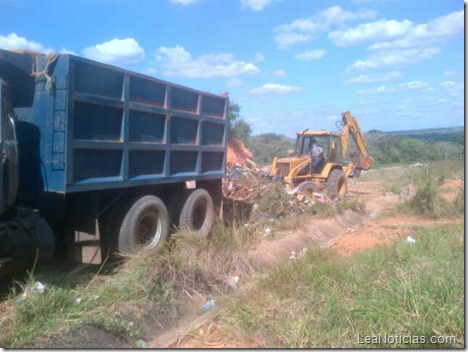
(289, 64)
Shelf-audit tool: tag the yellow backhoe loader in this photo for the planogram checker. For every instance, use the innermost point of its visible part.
(333, 172)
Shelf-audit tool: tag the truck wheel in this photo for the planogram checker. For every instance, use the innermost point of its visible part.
(145, 226)
(197, 214)
(45, 241)
(337, 184)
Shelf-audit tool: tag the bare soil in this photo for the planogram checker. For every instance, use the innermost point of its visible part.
(345, 234)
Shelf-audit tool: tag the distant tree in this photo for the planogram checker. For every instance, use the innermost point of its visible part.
(390, 149)
(242, 130)
(459, 139)
(266, 146)
(374, 132)
(237, 127)
(233, 115)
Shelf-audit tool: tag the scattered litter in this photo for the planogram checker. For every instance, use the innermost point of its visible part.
(267, 231)
(78, 300)
(140, 343)
(320, 197)
(371, 215)
(232, 281)
(210, 303)
(410, 239)
(38, 287)
(295, 255)
(420, 165)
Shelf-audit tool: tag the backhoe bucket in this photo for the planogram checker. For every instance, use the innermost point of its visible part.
(361, 162)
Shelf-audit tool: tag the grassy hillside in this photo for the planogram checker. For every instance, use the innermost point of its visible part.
(431, 134)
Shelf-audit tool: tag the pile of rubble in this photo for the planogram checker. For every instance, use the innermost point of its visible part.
(249, 193)
(238, 154)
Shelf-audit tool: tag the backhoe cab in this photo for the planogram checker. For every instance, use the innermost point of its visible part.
(332, 174)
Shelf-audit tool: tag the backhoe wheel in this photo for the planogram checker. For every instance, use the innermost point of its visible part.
(145, 226)
(337, 184)
(197, 214)
(308, 187)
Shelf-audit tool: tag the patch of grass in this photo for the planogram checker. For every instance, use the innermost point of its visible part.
(38, 312)
(459, 202)
(427, 201)
(322, 210)
(398, 178)
(350, 204)
(400, 289)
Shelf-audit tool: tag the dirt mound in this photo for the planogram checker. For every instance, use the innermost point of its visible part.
(238, 153)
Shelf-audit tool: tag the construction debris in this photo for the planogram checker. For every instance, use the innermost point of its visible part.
(250, 194)
(237, 153)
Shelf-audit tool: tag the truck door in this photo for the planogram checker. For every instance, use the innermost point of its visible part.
(9, 176)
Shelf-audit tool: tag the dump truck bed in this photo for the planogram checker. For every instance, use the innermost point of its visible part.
(96, 126)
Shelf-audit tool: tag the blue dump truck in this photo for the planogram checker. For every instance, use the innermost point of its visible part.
(102, 159)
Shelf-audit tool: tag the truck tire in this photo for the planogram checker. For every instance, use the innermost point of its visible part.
(197, 214)
(337, 184)
(145, 226)
(45, 241)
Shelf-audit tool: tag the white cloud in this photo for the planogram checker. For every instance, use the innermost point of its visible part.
(434, 32)
(176, 61)
(436, 101)
(151, 71)
(408, 86)
(307, 28)
(259, 57)
(256, 5)
(66, 51)
(451, 73)
(14, 41)
(275, 89)
(372, 31)
(396, 58)
(453, 88)
(184, 2)
(311, 55)
(280, 73)
(235, 82)
(287, 39)
(377, 77)
(400, 43)
(116, 51)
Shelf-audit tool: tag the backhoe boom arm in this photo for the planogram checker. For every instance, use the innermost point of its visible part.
(361, 161)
